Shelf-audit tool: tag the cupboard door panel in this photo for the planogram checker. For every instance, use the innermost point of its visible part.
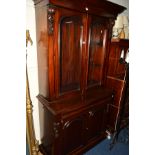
(73, 134)
(96, 122)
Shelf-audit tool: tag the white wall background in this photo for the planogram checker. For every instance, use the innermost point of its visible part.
(32, 59)
(32, 65)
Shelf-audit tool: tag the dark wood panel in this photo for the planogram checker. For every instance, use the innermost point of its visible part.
(70, 53)
(73, 137)
(99, 7)
(98, 36)
(96, 120)
(117, 86)
(106, 6)
(117, 80)
(78, 128)
(112, 118)
(76, 104)
(73, 47)
(115, 68)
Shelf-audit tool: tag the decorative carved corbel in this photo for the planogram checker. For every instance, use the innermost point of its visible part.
(110, 24)
(56, 128)
(50, 18)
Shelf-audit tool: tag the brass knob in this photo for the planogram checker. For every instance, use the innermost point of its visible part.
(91, 113)
(86, 8)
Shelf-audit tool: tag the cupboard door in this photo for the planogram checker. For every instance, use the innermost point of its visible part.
(73, 130)
(97, 49)
(70, 55)
(96, 122)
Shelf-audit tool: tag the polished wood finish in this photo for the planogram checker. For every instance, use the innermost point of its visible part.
(97, 50)
(73, 39)
(115, 68)
(75, 122)
(97, 7)
(70, 53)
(117, 80)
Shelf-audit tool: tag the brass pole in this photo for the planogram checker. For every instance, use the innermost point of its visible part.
(30, 133)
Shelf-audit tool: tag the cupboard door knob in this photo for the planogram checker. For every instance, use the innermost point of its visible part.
(86, 8)
(91, 113)
(66, 125)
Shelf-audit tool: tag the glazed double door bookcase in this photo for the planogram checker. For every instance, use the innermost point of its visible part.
(73, 40)
(80, 41)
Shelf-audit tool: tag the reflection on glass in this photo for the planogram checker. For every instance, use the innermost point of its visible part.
(96, 54)
(70, 54)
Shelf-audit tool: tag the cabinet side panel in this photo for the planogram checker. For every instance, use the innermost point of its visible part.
(42, 48)
(47, 138)
(118, 87)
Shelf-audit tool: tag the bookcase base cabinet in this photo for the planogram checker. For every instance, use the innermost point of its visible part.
(77, 128)
(73, 39)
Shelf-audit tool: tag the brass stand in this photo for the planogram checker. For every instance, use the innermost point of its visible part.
(30, 133)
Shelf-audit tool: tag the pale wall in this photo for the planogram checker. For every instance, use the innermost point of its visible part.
(32, 64)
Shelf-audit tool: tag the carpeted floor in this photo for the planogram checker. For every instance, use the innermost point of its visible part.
(120, 148)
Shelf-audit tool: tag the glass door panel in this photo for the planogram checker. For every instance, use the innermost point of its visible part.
(70, 53)
(96, 52)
